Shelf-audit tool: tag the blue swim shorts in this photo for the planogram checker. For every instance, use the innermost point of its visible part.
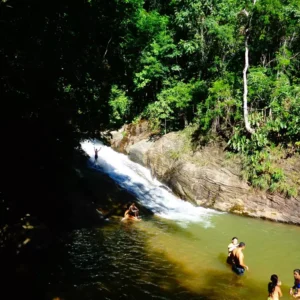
(238, 270)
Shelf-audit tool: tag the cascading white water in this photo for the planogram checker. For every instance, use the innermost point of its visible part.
(149, 192)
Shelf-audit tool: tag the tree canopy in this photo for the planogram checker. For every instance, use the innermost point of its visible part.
(73, 68)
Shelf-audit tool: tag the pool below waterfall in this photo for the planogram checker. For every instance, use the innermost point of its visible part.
(178, 253)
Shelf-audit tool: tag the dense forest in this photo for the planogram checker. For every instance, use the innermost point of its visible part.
(70, 69)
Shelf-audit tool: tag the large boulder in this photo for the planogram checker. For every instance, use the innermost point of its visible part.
(206, 177)
(138, 152)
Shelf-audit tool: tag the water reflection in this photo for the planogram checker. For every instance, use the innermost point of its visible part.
(158, 258)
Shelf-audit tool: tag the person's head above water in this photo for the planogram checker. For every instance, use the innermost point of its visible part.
(242, 245)
(297, 274)
(274, 278)
(234, 240)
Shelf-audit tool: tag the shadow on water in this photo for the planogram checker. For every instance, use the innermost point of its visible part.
(229, 286)
(112, 263)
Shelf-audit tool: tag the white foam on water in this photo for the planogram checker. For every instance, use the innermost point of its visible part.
(137, 180)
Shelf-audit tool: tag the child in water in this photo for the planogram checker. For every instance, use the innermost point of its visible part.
(274, 288)
(234, 243)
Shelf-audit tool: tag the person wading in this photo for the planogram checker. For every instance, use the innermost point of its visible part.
(274, 288)
(295, 290)
(237, 257)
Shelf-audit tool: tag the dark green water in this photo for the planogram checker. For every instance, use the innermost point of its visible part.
(160, 259)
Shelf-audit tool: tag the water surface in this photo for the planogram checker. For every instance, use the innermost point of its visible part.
(179, 253)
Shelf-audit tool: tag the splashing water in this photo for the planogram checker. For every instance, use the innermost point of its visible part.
(137, 180)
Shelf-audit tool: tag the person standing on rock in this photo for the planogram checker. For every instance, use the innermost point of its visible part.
(96, 153)
(237, 257)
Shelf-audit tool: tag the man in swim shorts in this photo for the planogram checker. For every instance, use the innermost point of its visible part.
(237, 257)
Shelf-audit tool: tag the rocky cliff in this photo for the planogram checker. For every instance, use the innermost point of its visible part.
(208, 177)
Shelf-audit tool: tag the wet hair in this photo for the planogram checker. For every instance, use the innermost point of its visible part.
(234, 238)
(241, 244)
(272, 284)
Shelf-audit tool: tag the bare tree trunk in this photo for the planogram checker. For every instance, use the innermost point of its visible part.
(245, 100)
(185, 121)
(247, 123)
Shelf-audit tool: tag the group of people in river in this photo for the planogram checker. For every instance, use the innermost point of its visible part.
(235, 258)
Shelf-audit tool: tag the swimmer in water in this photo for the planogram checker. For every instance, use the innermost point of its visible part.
(134, 210)
(129, 216)
(295, 290)
(274, 288)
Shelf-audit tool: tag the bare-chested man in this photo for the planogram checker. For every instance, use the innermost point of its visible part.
(237, 256)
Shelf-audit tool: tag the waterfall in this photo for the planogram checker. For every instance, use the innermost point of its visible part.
(149, 192)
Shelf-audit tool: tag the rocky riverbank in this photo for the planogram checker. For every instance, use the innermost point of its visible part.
(208, 177)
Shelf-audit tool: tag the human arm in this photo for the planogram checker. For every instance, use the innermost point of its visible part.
(297, 295)
(241, 262)
(292, 288)
(279, 291)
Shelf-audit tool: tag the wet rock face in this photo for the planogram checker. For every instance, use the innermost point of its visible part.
(205, 177)
(128, 135)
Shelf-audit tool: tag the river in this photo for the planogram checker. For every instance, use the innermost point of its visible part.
(178, 253)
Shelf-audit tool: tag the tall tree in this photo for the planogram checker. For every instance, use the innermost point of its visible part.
(245, 70)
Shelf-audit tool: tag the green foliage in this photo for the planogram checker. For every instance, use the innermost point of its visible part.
(221, 110)
(258, 166)
(84, 66)
(172, 102)
(120, 106)
(284, 125)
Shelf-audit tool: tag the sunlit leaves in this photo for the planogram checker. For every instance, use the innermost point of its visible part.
(119, 104)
